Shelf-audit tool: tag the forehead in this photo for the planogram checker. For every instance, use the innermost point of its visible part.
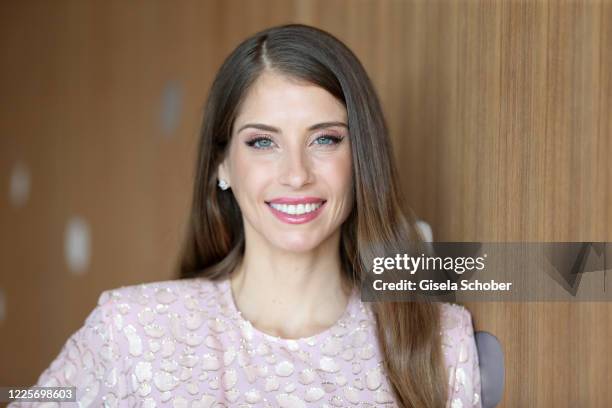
(277, 98)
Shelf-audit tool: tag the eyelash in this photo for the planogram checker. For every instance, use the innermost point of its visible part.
(335, 140)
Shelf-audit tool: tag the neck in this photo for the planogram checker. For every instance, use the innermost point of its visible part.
(289, 294)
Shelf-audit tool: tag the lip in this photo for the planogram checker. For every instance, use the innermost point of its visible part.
(296, 200)
(294, 218)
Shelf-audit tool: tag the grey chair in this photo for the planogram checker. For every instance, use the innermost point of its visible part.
(492, 375)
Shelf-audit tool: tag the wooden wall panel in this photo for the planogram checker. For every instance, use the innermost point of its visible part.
(500, 113)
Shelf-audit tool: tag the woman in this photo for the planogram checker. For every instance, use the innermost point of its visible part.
(295, 192)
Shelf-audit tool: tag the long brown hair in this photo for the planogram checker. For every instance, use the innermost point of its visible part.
(408, 332)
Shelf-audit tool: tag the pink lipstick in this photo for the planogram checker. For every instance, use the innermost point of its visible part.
(296, 210)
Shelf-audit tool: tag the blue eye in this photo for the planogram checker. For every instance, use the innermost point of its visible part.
(260, 143)
(264, 143)
(327, 140)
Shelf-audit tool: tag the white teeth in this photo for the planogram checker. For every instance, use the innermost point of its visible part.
(296, 209)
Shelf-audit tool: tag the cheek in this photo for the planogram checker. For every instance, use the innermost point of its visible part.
(249, 177)
(337, 172)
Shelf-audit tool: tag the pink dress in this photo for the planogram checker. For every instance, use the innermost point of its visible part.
(183, 343)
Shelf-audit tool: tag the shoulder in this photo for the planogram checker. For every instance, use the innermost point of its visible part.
(457, 332)
(455, 320)
(126, 327)
(155, 310)
(460, 355)
(161, 295)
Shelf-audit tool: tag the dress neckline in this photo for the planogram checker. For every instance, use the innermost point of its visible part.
(338, 327)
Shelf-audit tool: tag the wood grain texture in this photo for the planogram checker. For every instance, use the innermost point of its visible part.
(500, 114)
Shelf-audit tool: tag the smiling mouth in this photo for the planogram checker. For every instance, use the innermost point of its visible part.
(296, 209)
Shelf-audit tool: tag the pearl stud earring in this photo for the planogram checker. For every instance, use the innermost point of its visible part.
(223, 185)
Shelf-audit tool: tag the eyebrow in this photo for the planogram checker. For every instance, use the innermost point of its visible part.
(317, 126)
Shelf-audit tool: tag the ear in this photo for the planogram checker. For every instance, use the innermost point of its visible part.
(223, 171)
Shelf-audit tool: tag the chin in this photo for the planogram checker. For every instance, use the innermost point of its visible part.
(296, 243)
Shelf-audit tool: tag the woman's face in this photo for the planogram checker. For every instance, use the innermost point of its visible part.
(289, 163)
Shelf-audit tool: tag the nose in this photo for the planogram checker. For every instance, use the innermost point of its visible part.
(295, 169)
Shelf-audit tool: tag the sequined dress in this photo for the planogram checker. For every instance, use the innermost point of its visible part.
(184, 343)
